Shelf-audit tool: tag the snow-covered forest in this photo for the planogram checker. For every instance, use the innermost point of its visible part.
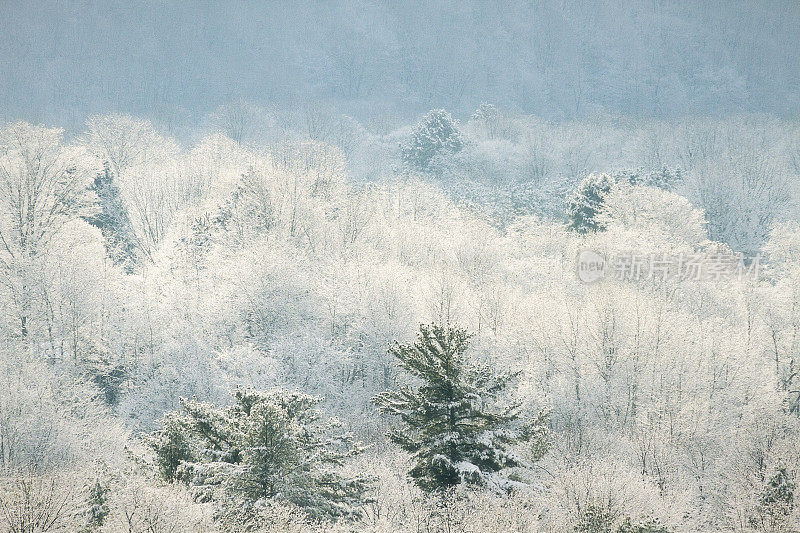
(556, 313)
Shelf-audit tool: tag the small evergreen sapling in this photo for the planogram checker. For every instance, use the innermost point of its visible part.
(453, 424)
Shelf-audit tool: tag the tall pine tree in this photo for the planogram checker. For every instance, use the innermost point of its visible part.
(453, 423)
(112, 220)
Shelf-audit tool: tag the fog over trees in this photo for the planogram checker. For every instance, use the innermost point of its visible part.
(424, 267)
(386, 62)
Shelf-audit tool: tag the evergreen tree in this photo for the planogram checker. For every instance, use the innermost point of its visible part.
(98, 509)
(112, 220)
(453, 424)
(587, 202)
(776, 504)
(266, 446)
(198, 242)
(106, 368)
(435, 134)
(588, 198)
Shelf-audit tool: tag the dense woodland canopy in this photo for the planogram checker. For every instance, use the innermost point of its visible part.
(259, 275)
(146, 285)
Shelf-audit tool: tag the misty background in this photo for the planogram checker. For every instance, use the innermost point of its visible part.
(384, 63)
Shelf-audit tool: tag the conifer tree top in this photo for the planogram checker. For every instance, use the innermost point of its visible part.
(454, 423)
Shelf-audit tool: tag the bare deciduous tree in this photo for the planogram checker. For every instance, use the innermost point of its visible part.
(43, 185)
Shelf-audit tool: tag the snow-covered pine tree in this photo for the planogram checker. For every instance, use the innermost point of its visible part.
(589, 197)
(587, 202)
(435, 133)
(453, 424)
(112, 220)
(266, 446)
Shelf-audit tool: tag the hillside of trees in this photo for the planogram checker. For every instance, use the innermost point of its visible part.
(297, 322)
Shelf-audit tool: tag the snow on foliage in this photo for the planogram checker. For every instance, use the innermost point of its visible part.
(175, 273)
(436, 133)
(452, 424)
(267, 445)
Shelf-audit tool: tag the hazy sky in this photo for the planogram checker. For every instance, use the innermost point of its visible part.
(176, 61)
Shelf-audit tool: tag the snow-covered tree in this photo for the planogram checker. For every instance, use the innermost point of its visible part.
(455, 423)
(112, 220)
(494, 123)
(436, 133)
(776, 504)
(267, 445)
(588, 199)
(124, 141)
(43, 185)
(662, 219)
(587, 202)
